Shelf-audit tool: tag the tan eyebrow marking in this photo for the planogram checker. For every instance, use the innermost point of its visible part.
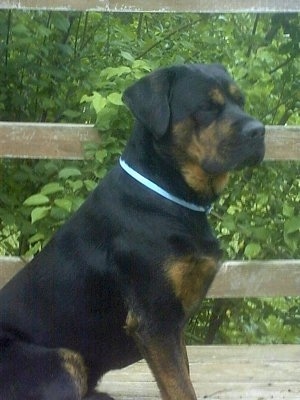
(236, 93)
(217, 96)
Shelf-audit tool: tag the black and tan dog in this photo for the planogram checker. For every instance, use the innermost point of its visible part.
(120, 279)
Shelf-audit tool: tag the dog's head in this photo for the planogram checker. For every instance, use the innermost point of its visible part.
(195, 114)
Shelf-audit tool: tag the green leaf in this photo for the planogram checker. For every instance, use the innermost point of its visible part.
(101, 155)
(141, 64)
(115, 98)
(229, 222)
(43, 31)
(21, 30)
(39, 213)
(99, 102)
(111, 72)
(36, 200)
(127, 56)
(33, 250)
(292, 225)
(291, 233)
(59, 214)
(252, 250)
(36, 238)
(60, 21)
(68, 172)
(65, 204)
(90, 185)
(86, 99)
(104, 120)
(50, 188)
(262, 198)
(75, 185)
(260, 233)
(287, 210)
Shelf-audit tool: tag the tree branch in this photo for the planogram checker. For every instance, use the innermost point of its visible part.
(174, 32)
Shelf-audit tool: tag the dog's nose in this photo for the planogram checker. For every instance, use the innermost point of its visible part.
(254, 129)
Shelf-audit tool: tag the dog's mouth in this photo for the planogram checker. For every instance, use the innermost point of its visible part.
(252, 161)
(235, 159)
(250, 154)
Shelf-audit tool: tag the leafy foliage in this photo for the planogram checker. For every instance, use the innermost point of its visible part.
(73, 67)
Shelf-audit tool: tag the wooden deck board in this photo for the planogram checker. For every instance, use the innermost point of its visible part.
(269, 372)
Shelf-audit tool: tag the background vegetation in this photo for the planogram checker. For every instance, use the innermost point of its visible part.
(73, 67)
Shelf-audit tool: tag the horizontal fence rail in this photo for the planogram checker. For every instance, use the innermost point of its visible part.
(38, 140)
(66, 141)
(235, 279)
(256, 279)
(157, 5)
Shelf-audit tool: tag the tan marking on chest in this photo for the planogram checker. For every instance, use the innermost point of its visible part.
(190, 278)
(74, 365)
(131, 324)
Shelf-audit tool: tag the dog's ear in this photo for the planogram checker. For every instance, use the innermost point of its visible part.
(148, 100)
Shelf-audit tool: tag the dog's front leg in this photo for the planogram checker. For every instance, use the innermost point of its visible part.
(166, 357)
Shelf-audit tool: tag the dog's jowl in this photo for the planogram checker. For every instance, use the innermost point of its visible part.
(120, 279)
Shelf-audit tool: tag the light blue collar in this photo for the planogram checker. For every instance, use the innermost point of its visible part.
(157, 189)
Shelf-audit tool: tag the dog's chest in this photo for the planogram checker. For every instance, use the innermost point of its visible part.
(190, 278)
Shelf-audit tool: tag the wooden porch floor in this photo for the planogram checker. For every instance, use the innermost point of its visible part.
(221, 373)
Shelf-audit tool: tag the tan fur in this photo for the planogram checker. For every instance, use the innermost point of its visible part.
(74, 365)
(132, 324)
(202, 182)
(235, 92)
(217, 96)
(190, 278)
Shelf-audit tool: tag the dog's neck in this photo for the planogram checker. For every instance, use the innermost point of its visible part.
(142, 156)
(160, 191)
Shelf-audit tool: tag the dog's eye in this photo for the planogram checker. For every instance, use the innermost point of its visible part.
(207, 112)
(240, 101)
(211, 106)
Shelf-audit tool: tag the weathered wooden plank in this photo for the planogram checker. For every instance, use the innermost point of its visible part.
(235, 278)
(212, 391)
(39, 140)
(9, 266)
(157, 5)
(65, 141)
(221, 372)
(282, 143)
(244, 354)
(257, 278)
